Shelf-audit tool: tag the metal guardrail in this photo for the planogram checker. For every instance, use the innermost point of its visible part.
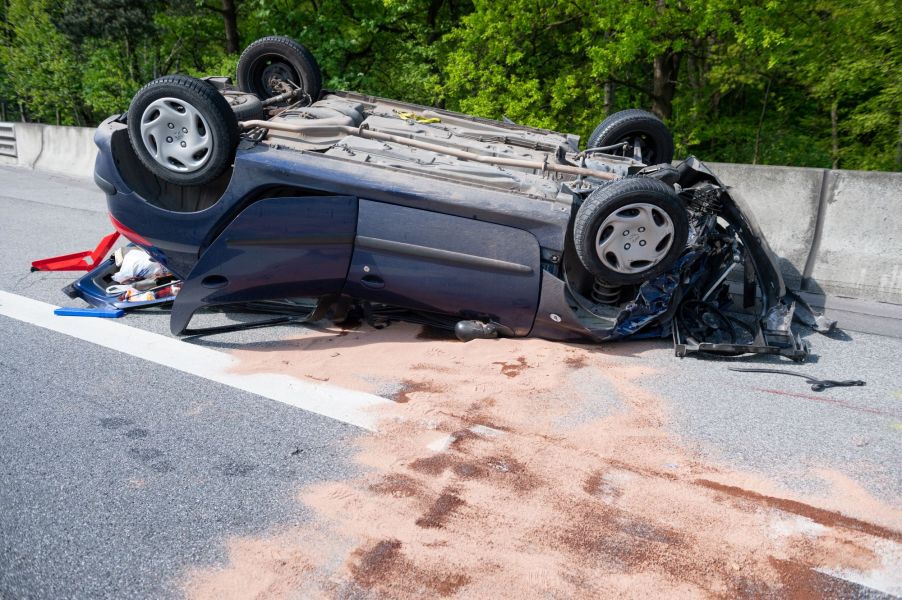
(8, 140)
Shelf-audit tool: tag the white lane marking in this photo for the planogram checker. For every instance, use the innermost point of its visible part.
(785, 527)
(887, 578)
(486, 431)
(323, 399)
(881, 580)
(443, 443)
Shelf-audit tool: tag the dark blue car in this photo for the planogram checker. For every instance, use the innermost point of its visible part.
(277, 191)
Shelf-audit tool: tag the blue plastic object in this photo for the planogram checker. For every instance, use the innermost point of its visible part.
(92, 287)
(66, 311)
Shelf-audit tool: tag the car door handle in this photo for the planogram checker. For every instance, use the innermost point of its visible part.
(373, 282)
(214, 282)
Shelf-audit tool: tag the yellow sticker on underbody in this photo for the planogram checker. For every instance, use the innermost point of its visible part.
(412, 116)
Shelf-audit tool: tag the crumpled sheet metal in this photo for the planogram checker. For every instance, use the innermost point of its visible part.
(654, 299)
(806, 315)
(779, 317)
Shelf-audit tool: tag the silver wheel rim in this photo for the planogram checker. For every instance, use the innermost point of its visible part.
(176, 135)
(634, 238)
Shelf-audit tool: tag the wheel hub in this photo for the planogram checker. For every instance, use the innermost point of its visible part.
(176, 135)
(275, 76)
(634, 238)
(639, 148)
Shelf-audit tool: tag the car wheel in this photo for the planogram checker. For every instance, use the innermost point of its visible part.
(269, 63)
(247, 107)
(182, 130)
(630, 230)
(644, 134)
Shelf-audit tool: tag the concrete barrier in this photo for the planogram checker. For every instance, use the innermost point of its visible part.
(785, 201)
(52, 148)
(859, 250)
(838, 233)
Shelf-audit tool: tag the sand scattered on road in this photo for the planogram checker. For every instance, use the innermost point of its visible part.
(555, 475)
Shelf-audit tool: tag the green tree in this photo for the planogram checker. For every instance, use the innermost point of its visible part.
(568, 64)
(850, 59)
(228, 10)
(39, 63)
(807, 82)
(123, 44)
(383, 47)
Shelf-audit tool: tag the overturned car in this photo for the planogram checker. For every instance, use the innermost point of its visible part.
(329, 204)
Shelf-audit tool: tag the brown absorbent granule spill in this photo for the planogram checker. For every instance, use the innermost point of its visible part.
(409, 387)
(576, 360)
(397, 485)
(371, 565)
(532, 491)
(799, 582)
(818, 515)
(384, 566)
(512, 369)
(440, 510)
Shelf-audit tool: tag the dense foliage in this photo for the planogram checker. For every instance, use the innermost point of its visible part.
(802, 82)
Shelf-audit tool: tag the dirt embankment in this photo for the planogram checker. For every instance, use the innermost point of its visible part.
(496, 475)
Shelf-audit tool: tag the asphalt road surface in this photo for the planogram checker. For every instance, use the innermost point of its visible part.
(127, 476)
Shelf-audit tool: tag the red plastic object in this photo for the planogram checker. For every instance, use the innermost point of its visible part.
(129, 234)
(79, 261)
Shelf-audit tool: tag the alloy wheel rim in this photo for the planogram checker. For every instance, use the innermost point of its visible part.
(176, 135)
(634, 238)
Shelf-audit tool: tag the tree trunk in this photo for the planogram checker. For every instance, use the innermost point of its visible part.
(834, 133)
(432, 20)
(230, 20)
(128, 59)
(664, 86)
(665, 71)
(608, 97)
(761, 122)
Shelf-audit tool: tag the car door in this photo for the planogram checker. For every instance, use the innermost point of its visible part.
(441, 263)
(276, 248)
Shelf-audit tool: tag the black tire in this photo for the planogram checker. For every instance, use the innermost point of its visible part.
(627, 125)
(279, 57)
(656, 197)
(218, 129)
(247, 107)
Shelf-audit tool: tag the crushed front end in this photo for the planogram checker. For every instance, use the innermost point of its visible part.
(724, 295)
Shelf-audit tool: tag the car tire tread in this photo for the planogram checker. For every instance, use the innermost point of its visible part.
(619, 124)
(289, 49)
